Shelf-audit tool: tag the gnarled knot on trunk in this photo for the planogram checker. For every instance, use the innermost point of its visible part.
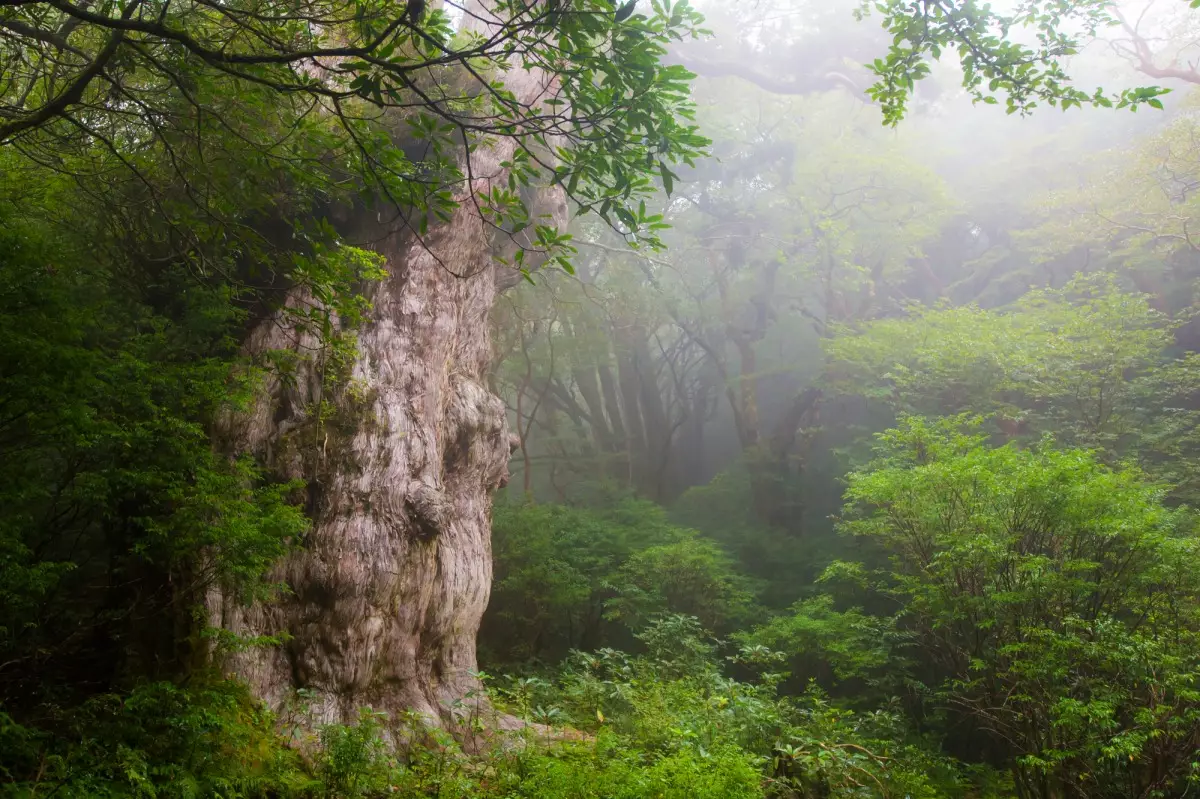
(473, 409)
(428, 510)
(475, 432)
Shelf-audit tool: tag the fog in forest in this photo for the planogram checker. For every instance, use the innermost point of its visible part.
(1027, 280)
(811, 221)
(578, 399)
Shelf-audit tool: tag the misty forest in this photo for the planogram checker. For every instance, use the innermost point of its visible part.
(579, 399)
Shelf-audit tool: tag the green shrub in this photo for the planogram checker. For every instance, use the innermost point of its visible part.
(608, 769)
(674, 705)
(158, 741)
(1053, 603)
(692, 576)
(580, 578)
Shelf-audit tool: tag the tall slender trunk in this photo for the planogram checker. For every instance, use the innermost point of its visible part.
(772, 476)
(747, 390)
(635, 435)
(619, 466)
(589, 389)
(654, 419)
(612, 405)
(688, 467)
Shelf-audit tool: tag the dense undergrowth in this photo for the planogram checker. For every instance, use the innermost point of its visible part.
(668, 723)
(1020, 620)
(1017, 610)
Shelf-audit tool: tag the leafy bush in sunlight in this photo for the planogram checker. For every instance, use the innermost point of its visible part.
(693, 576)
(855, 651)
(570, 577)
(676, 700)
(1090, 362)
(1053, 602)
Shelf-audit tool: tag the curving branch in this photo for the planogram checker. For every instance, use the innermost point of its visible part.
(796, 84)
(74, 92)
(1139, 52)
(373, 66)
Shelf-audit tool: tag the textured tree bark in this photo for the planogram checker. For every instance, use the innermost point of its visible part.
(388, 589)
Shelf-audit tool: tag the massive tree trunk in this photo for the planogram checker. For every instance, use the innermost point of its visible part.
(389, 586)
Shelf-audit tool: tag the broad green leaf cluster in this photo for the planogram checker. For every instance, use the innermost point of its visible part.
(1019, 54)
(1050, 600)
(1091, 364)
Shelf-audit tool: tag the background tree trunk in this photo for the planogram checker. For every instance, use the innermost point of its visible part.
(654, 419)
(589, 389)
(620, 466)
(630, 387)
